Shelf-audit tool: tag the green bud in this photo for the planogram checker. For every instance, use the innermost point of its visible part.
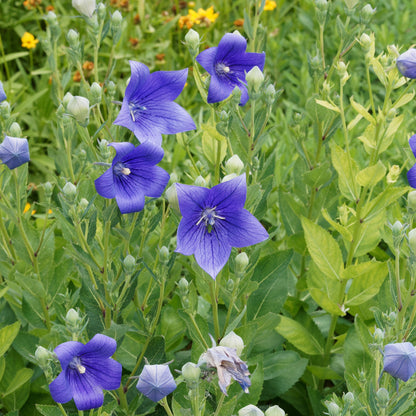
(116, 19)
(236, 96)
(129, 264)
(393, 51)
(51, 18)
(250, 410)
(254, 79)
(82, 155)
(72, 317)
(391, 319)
(412, 240)
(67, 98)
(172, 197)
(224, 116)
(270, 94)
(79, 108)
(70, 192)
(234, 165)
(42, 356)
(316, 63)
(111, 89)
(192, 42)
(383, 398)
(85, 7)
(333, 409)
(230, 285)
(393, 174)
(241, 263)
(164, 255)
(95, 93)
(200, 181)
(104, 149)
(348, 398)
(378, 336)
(15, 130)
(397, 229)
(342, 72)
(351, 3)
(321, 11)
(191, 372)
(367, 13)
(275, 411)
(101, 11)
(227, 178)
(390, 115)
(365, 42)
(183, 286)
(232, 340)
(82, 206)
(4, 110)
(48, 189)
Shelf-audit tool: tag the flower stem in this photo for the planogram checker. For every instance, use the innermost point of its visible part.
(214, 303)
(198, 330)
(165, 405)
(61, 408)
(217, 411)
(231, 305)
(122, 398)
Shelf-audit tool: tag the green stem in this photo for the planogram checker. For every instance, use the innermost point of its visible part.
(231, 305)
(61, 408)
(370, 90)
(7, 241)
(42, 236)
(321, 44)
(198, 330)
(96, 49)
(165, 405)
(251, 140)
(217, 411)
(122, 397)
(105, 274)
(214, 303)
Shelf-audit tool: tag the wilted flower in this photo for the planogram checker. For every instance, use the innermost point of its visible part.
(228, 366)
(411, 174)
(86, 371)
(2, 93)
(29, 41)
(400, 360)
(14, 152)
(213, 221)
(133, 175)
(148, 109)
(228, 64)
(156, 382)
(85, 7)
(406, 63)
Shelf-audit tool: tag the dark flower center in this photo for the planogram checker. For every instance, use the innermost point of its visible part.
(135, 110)
(209, 216)
(120, 169)
(76, 364)
(222, 69)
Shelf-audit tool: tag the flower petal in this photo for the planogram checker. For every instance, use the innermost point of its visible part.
(412, 144)
(156, 382)
(207, 59)
(400, 360)
(231, 46)
(99, 347)
(192, 199)
(105, 184)
(151, 181)
(67, 351)
(2, 93)
(219, 89)
(248, 61)
(244, 229)
(129, 197)
(148, 153)
(229, 196)
(60, 389)
(104, 373)
(139, 77)
(411, 176)
(87, 395)
(189, 235)
(122, 149)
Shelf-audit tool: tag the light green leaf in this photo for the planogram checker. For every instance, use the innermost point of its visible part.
(299, 336)
(7, 336)
(21, 377)
(379, 70)
(361, 110)
(2, 367)
(372, 175)
(12, 57)
(344, 231)
(212, 142)
(324, 373)
(367, 280)
(403, 100)
(46, 410)
(328, 105)
(323, 249)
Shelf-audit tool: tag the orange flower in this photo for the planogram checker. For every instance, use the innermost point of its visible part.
(134, 42)
(50, 8)
(31, 4)
(88, 67)
(77, 76)
(185, 21)
(29, 41)
(239, 22)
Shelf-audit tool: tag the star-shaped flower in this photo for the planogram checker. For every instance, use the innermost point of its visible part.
(411, 174)
(214, 221)
(406, 63)
(156, 382)
(400, 360)
(86, 371)
(133, 175)
(228, 64)
(14, 152)
(2, 93)
(148, 109)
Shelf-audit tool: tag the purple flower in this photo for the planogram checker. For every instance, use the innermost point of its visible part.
(411, 174)
(406, 63)
(86, 371)
(2, 93)
(148, 109)
(133, 175)
(228, 365)
(14, 152)
(213, 221)
(400, 360)
(156, 382)
(228, 64)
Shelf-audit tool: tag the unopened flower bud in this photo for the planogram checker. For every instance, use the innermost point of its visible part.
(79, 108)
(85, 7)
(321, 11)
(378, 336)
(82, 206)
(241, 263)
(348, 398)
(406, 63)
(200, 181)
(95, 93)
(250, 410)
(227, 178)
(366, 13)
(73, 38)
(391, 114)
(48, 187)
(412, 240)
(111, 89)
(67, 98)
(393, 51)
(275, 411)
(192, 42)
(365, 42)
(322, 5)
(230, 285)
(333, 409)
(391, 319)
(70, 192)
(129, 264)
(42, 356)
(254, 79)
(72, 317)
(224, 116)
(397, 228)
(183, 286)
(232, 340)
(4, 110)
(341, 69)
(236, 96)
(383, 398)
(270, 94)
(191, 372)
(393, 174)
(51, 18)
(172, 197)
(116, 19)
(101, 11)
(164, 255)
(15, 130)
(234, 165)
(351, 3)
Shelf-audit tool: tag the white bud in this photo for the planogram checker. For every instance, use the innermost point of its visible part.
(234, 165)
(250, 410)
(79, 108)
(232, 340)
(275, 411)
(85, 7)
(255, 78)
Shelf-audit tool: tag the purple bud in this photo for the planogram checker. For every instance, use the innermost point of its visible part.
(400, 360)
(406, 63)
(156, 382)
(14, 152)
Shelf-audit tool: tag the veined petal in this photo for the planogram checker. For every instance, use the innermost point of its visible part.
(124, 117)
(411, 176)
(163, 86)
(87, 395)
(192, 199)
(248, 61)
(147, 154)
(122, 149)
(229, 196)
(207, 59)
(213, 250)
(99, 347)
(129, 197)
(67, 351)
(105, 184)
(412, 144)
(60, 389)
(231, 46)
(145, 129)
(219, 89)
(244, 229)
(104, 373)
(139, 77)
(151, 180)
(189, 235)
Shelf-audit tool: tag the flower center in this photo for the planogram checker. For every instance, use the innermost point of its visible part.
(119, 169)
(76, 364)
(208, 215)
(135, 110)
(222, 69)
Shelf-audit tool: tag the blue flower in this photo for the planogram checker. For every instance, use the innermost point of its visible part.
(228, 64)
(228, 365)
(148, 109)
(406, 63)
(400, 360)
(2, 93)
(14, 152)
(411, 174)
(156, 382)
(86, 371)
(133, 175)
(214, 221)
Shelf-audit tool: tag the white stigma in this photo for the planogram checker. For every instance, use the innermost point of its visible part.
(226, 69)
(80, 368)
(125, 171)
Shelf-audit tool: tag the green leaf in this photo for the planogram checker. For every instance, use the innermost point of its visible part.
(344, 231)
(21, 377)
(290, 210)
(46, 410)
(299, 336)
(2, 366)
(372, 175)
(212, 142)
(367, 280)
(404, 99)
(7, 336)
(361, 110)
(323, 249)
(328, 105)
(12, 57)
(324, 373)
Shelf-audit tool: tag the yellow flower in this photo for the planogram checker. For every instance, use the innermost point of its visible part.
(27, 208)
(29, 41)
(185, 21)
(204, 16)
(270, 5)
